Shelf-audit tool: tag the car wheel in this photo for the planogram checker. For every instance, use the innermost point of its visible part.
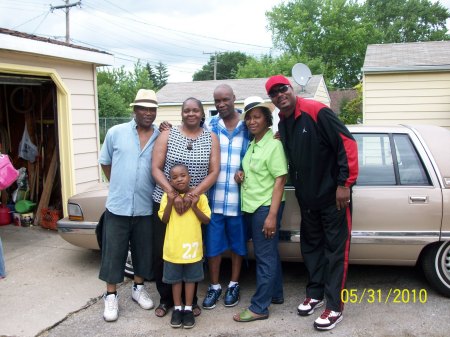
(436, 266)
(129, 271)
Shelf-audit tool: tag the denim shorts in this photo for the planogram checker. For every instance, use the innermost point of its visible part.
(187, 272)
(225, 232)
(119, 234)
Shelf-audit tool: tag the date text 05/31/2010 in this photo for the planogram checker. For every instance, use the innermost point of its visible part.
(392, 295)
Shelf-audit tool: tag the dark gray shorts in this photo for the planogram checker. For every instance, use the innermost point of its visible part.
(119, 234)
(187, 272)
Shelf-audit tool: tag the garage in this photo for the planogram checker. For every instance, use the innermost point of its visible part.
(48, 120)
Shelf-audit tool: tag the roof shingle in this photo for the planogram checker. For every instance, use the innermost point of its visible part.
(407, 55)
(173, 93)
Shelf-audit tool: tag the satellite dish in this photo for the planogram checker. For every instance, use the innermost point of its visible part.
(301, 73)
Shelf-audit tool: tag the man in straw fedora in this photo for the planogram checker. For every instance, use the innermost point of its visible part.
(126, 160)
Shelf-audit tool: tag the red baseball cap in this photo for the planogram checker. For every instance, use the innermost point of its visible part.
(275, 80)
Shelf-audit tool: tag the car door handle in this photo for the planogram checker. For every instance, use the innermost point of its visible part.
(417, 199)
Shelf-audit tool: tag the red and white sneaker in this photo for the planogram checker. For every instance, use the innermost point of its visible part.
(328, 320)
(308, 306)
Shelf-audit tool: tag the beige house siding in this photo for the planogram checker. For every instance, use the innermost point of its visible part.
(170, 113)
(408, 98)
(322, 94)
(407, 83)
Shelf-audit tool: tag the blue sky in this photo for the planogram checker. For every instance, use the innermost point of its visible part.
(179, 33)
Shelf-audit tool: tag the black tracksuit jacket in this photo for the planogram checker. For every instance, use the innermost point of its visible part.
(324, 154)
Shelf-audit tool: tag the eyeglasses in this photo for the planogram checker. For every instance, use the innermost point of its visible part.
(281, 90)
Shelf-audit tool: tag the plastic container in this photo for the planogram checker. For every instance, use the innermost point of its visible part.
(16, 219)
(5, 216)
(24, 206)
(26, 219)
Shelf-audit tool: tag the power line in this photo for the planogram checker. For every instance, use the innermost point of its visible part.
(67, 7)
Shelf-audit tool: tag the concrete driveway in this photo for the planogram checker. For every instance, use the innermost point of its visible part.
(52, 290)
(47, 278)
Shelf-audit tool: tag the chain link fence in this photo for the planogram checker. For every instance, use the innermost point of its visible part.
(107, 122)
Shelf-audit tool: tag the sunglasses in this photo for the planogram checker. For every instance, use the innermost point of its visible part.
(281, 90)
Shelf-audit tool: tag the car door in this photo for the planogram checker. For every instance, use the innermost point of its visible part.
(396, 200)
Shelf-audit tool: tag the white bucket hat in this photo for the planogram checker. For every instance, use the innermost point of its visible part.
(255, 102)
(145, 97)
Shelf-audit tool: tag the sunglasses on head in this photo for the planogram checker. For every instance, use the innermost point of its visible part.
(281, 90)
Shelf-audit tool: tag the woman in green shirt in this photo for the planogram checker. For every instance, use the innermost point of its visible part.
(262, 194)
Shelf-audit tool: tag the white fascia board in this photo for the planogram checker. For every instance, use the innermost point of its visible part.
(19, 44)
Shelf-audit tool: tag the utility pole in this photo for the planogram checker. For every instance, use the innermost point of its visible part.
(67, 8)
(215, 63)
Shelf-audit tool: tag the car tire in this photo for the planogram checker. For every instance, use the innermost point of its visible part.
(129, 271)
(436, 266)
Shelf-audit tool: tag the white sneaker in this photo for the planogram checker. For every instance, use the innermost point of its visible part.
(308, 306)
(328, 320)
(140, 295)
(111, 312)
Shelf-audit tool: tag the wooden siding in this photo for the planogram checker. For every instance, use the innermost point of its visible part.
(171, 113)
(407, 98)
(321, 94)
(79, 78)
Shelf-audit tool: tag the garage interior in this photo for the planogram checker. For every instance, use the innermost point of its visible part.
(30, 103)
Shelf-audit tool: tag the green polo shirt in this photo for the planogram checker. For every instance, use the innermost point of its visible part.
(263, 163)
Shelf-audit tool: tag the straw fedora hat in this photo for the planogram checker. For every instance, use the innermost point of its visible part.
(145, 97)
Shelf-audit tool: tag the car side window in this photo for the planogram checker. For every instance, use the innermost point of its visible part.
(410, 167)
(375, 160)
(389, 159)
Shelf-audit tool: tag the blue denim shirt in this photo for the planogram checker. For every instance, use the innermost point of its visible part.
(131, 183)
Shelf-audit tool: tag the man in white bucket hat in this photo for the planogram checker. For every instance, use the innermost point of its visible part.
(126, 161)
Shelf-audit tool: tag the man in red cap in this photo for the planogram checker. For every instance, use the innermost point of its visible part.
(323, 166)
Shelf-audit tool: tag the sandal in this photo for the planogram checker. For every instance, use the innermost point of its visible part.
(162, 309)
(248, 316)
(196, 310)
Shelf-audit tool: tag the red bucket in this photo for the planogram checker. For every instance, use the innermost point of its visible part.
(5, 216)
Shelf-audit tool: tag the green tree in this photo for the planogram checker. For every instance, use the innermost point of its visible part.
(268, 65)
(160, 75)
(408, 21)
(330, 31)
(337, 32)
(117, 88)
(227, 66)
(351, 111)
(110, 104)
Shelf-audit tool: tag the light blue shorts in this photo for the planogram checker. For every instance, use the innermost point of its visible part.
(225, 232)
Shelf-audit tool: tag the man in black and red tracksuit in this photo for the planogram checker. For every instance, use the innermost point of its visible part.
(323, 166)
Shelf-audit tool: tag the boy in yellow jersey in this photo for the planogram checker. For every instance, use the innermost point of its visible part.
(183, 245)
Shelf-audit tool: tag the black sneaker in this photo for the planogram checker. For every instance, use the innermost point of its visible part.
(188, 319)
(176, 320)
